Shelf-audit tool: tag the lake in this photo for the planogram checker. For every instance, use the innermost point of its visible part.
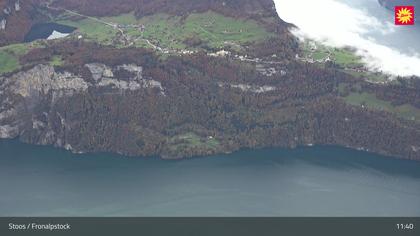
(45, 30)
(308, 181)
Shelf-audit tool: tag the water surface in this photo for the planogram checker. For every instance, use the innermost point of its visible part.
(317, 181)
(46, 30)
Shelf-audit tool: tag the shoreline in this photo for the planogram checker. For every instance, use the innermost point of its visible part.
(235, 152)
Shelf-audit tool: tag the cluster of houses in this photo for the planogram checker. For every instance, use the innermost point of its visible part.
(140, 27)
(221, 53)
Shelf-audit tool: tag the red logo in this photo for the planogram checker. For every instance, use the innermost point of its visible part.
(404, 15)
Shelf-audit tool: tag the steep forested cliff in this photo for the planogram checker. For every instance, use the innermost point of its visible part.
(202, 93)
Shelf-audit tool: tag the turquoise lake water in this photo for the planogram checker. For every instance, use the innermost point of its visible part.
(316, 181)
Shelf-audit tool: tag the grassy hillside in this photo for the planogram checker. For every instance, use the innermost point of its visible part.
(209, 29)
(9, 57)
(369, 100)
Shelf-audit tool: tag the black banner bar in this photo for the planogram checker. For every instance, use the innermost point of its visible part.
(205, 226)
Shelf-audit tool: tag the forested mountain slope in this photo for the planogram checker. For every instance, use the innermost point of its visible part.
(185, 78)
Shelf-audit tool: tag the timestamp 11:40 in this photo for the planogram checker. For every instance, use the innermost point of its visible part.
(407, 226)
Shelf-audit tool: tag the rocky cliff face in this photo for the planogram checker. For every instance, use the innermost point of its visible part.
(3, 23)
(28, 98)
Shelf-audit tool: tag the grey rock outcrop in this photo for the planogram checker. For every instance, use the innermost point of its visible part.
(17, 5)
(99, 71)
(7, 10)
(42, 79)
(104, 77)
(249, 88)
(3, 24)
(28, 99)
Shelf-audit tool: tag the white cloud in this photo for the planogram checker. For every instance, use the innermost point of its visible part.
(337, 24)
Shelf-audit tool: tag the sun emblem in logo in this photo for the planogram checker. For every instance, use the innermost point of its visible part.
(404, 15)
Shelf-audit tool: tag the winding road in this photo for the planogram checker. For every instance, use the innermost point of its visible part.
(154, 46)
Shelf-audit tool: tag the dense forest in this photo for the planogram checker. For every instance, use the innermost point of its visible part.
(204, 111)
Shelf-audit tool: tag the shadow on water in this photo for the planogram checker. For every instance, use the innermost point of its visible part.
(44, 30)
(331, 157)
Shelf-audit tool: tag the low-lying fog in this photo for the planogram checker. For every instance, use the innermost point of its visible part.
(362, 24)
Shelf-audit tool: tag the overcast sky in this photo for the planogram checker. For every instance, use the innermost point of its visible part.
(337, 24)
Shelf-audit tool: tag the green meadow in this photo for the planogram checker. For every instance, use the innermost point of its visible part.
(9, 56)
(369, 100)
(214, 30)
(192, 140)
